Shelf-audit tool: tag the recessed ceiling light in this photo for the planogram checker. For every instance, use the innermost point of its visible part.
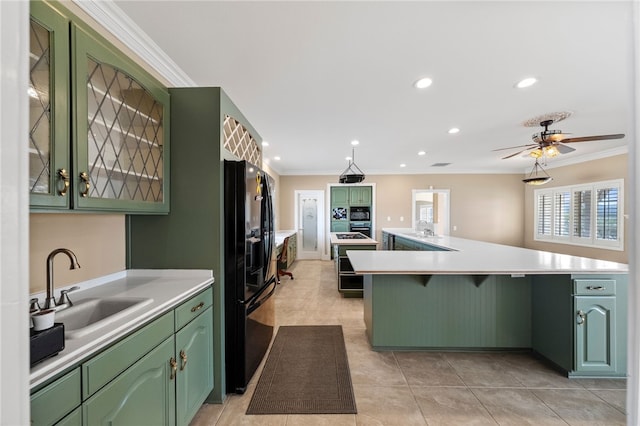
(453, 130)
(403, 165)
(355, 142)
(423, 83)
(422, 153)
(348, 158)
(265, 143)
(527, 82)
(276, 158)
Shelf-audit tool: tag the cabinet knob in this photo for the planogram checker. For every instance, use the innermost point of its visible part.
(64, 176)
(580, 317)
(174, 368)
(183, 357)
(85, 179)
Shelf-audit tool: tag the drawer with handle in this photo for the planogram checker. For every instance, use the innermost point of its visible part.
(193, 307)
(584, 287)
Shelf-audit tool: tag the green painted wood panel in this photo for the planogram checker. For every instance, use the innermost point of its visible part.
(145, 395)
(195, 377)
(102, 368)
(57, 22)
(192, 236)
(193, 307)
(595, 335)
(56, 400)
(454, 311)
(360, 195)
(339, 196)
(73, 419)
(337, 226)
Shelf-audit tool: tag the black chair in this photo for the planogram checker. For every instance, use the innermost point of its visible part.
(282, 261)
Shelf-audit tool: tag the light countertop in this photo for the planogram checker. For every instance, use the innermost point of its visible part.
(351, 241)
(167, 288)
(281, 235)
(473, 257)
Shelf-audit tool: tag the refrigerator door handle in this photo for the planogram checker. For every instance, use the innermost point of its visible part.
(255, 296)
(255, 305)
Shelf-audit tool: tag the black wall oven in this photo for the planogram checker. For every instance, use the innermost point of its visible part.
(357, 213)
(362, 227)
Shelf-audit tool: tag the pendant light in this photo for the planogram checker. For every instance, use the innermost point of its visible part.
(538, 175)
(352, 174)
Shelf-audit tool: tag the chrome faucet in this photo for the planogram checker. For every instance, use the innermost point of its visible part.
(50, 301)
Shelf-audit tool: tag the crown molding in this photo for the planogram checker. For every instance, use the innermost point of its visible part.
(113, 19)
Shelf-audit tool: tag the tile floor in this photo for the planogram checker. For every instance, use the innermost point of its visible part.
(425, 388)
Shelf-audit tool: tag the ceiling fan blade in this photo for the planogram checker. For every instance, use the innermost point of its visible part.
(519, 152)
(514, 147)
(593, 138)
(564, 149)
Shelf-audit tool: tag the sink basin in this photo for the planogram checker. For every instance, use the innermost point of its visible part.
(89, 315)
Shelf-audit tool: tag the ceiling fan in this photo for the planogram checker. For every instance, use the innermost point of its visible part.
(547, 143)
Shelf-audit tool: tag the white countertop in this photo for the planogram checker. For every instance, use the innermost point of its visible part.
(281, 235)
(351, 241)
(473, 257)
(167, 288)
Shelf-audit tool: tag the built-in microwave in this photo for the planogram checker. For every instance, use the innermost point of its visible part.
(359, 213)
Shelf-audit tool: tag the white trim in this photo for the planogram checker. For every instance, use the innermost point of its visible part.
(14, 213)
(113, 19)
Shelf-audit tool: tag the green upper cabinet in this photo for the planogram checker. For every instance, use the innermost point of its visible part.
(339, 196)
(49, 109)
(119, 121)
(360, 195)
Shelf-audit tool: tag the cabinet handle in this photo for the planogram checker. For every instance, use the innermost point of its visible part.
(580, 318)
(85, 179)
(183, 357)
(64, 176)
(174, 368)
(595, 287)
(197, 307)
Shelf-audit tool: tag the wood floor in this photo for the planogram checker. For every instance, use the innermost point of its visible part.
(425, 388)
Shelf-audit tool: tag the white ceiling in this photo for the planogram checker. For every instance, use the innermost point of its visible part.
(312, 76)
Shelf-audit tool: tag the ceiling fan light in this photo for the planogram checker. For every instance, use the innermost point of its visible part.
(536, 153)
(551, 151)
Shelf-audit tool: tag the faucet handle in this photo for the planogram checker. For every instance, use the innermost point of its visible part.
(34, 306)
(64, 298)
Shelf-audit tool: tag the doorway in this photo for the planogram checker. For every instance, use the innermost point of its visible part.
(309, 223)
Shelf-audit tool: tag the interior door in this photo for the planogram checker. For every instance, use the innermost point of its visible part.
(310, 224)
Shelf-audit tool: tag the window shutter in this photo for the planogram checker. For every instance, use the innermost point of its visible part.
(561, 214)
(544, 214)
(582, 214)
(607, 214)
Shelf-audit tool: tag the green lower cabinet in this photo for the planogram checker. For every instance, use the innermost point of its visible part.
(73, 419)
(142, 395)
(595, 335)
(340, 226)
(194, 353)
(53, 402)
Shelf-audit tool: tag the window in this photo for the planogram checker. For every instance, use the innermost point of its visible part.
(588, 215)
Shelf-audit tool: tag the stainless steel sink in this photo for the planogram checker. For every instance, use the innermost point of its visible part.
(89, 315)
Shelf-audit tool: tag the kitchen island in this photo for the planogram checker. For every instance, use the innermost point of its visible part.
(472, 295)
(349, 283)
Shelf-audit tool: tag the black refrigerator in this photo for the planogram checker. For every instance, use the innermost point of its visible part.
(249, 277)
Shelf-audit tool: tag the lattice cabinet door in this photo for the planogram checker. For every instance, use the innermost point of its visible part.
(121, 124)
(49, 142)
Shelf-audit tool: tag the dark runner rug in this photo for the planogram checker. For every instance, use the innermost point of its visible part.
(306, 372)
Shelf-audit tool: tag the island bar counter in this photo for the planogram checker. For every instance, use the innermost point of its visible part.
(483, 296)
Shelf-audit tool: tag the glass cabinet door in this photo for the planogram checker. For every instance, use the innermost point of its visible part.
(49, 174)
(121, 123)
